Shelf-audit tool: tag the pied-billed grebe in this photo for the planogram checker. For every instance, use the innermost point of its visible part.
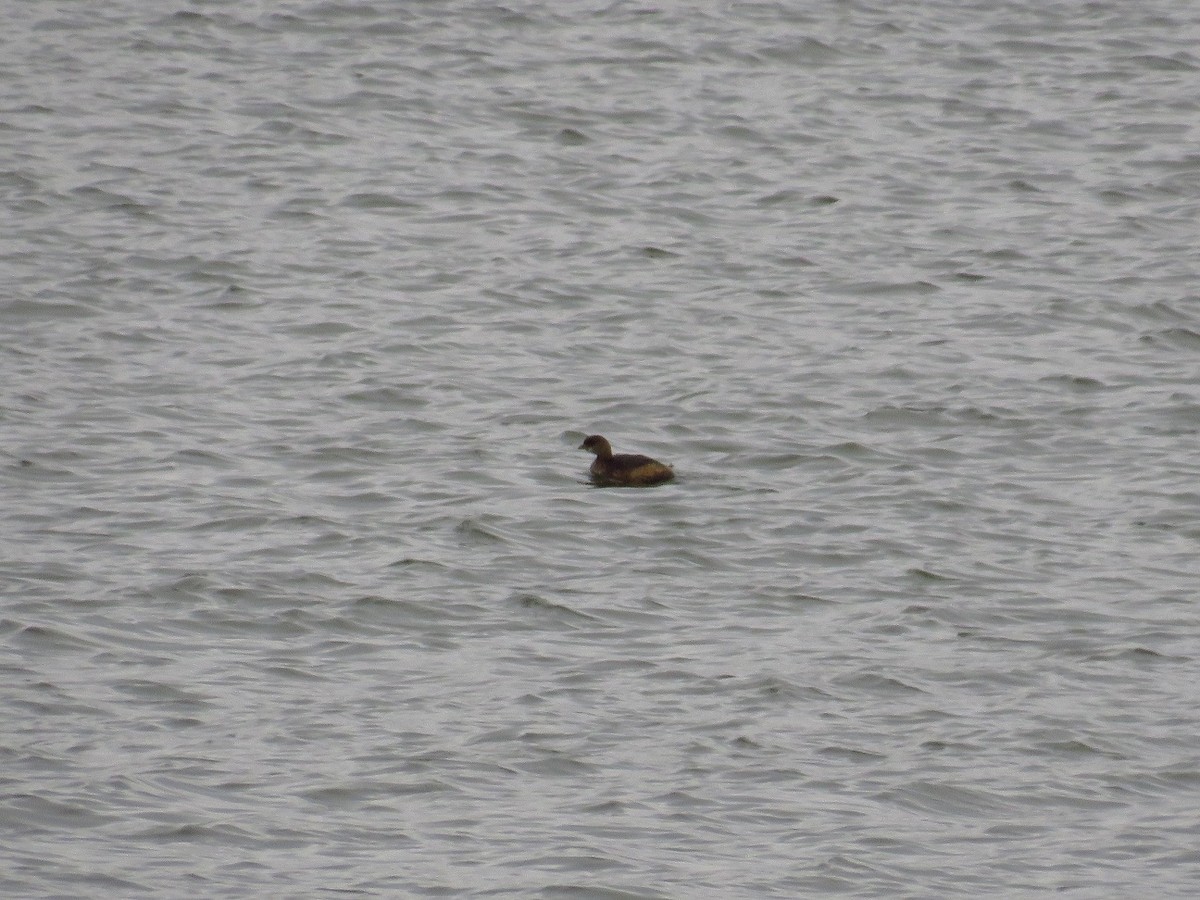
(626, 469)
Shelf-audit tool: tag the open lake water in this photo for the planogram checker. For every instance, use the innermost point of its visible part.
(307, 306)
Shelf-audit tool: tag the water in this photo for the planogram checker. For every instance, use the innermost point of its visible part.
(308, 305)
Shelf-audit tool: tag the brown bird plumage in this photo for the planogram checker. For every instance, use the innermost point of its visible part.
(623, 469)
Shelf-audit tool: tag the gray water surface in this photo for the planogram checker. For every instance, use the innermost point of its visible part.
(307, 305)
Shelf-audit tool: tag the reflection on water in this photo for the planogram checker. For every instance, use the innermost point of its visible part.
(308, 310)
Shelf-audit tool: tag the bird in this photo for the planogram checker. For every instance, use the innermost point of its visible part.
(623, 469)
